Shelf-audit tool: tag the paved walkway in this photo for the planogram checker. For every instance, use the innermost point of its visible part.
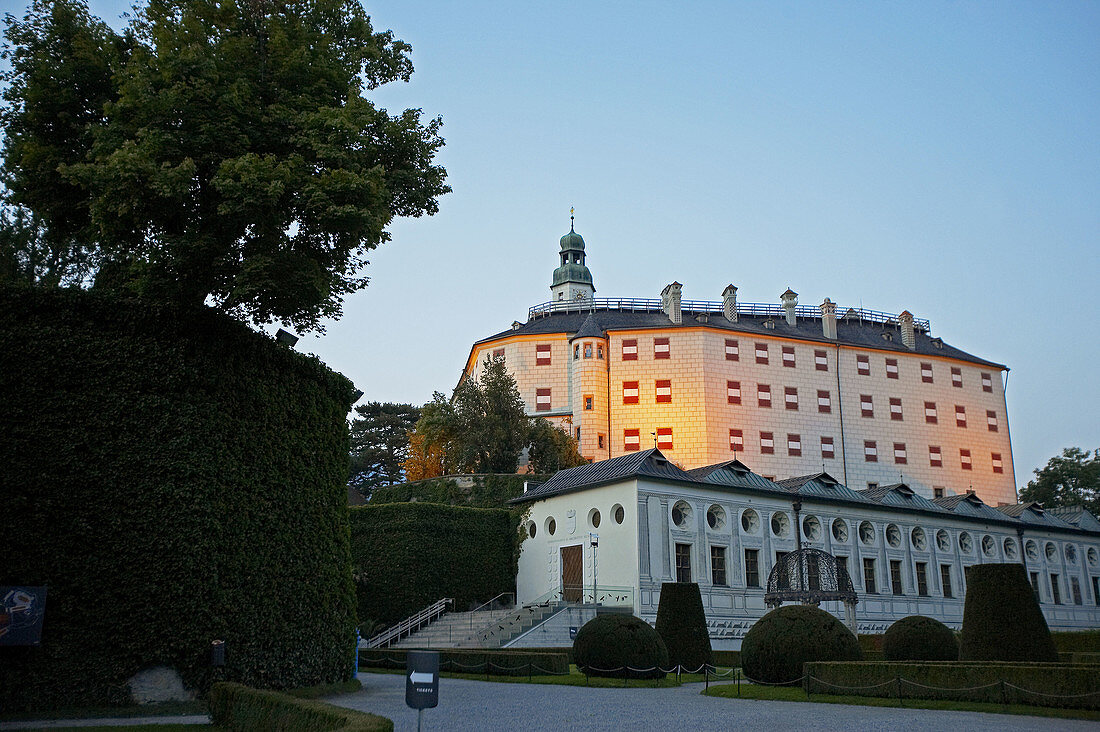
(481, 705)
(109, 721)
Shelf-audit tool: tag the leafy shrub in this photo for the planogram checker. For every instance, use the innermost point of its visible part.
(477, 491)
(408, 555)
(778, 644)
(918, 638)
(237, 707)
(682, 625)
(1039, 684)
(173, 477)
(458, 660)
(612, 644)
(1077, 641)
(1001, 618)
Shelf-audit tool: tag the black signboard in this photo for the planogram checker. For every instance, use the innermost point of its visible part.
(422, 679)
(21, 612)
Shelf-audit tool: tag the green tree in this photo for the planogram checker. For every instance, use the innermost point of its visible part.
(550, 448)
(56, 88)
(1069, 479)
(380, 444)
(235, 160)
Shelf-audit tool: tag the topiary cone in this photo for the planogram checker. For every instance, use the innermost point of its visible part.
(682, 625)
(1001, 618)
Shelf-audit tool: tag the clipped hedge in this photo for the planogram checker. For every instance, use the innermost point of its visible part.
(1001, 617)
(1047, 684)
(476, 491)
(778, 644)
(682, 625)
(408, 555)
(615, 644)
(1076, 641)
(173, 477)
(237, 707)
(457, 660)
(919, 638)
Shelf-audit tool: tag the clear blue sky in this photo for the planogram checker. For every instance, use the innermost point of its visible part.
(938, 156)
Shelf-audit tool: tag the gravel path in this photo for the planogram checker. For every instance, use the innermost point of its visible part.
(201, 719)
(481, 705)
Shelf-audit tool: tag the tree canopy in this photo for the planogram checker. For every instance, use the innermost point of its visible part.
(218, 152)
(1069, 479)
(484, 428)
(380, 444)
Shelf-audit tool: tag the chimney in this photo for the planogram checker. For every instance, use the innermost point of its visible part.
(790, 302)
(828, 319)
(670, 302)
(908, 335)
(729, 303)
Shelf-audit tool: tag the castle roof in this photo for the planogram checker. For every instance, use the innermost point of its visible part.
(851, 332)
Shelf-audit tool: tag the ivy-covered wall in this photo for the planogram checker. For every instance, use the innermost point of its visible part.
(172, 477)
(408, 555)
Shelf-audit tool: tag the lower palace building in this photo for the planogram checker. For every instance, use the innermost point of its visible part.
(871, 398)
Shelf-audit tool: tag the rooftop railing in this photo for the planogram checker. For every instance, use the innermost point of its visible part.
(749, 309)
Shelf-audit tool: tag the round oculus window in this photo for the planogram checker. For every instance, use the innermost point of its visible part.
(867, 532)
(989, 546)
(920, 541)
(619, 513)
(551, 526)
(893, 535)
(943, 541)
(781, 525)
(531, 529)
(750, 521)
(840, 530)
(716, 517)
(1031, 549)
(811, 528)
(966, 544)
(594, 518)
(1051, 550)
(681, 514)
(1010, 548)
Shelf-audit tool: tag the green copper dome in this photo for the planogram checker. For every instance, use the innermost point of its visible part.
(572, 241)
(572, 273)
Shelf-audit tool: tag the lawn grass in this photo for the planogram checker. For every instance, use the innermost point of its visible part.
(574, 678)
(797, 694)
(162, 709)
(137, 728)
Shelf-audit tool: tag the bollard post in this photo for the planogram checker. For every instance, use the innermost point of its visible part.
(528, 670)
(897, 680)
(738, 681)
(1004, 695)
(706, 677)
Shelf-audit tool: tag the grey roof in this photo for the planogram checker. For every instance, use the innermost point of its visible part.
(849, 332)
(591, 328)
(968, 504)
(1033, 513)
(644, 463)
(735, 474)
(1076, 516)
(901, 496)
(821, 485)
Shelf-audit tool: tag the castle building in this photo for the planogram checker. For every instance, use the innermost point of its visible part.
(870, 397)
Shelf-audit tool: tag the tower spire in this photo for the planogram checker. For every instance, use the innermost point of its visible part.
(570, 218)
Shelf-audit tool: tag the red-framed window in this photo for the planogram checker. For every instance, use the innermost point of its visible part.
(767, 443)
(956, 377)
(998, 466)
(870, 451)
(794, 445)
(863, 364)
(630, 349)
(935, 457)
(824, 402)
(764, 395)
(664, 438)
(631, 440)
(926, 372)
(827, 449)
(987, 381)
(663, 388)
(542, 354)
(790, 397)
(866, 405)
(733, 392)
(588, 400)
(960, 415)
(964, 459)
(930, 413)
(630, 392)
(542, 400)
(762, 353)
(788, 356)
(991, 420)
(891, 368)
(895, 409)
(899, 453)
(498, 353)
(661, 348)
(600, 440)
(737, 440)
(732, 353)
(821, 361)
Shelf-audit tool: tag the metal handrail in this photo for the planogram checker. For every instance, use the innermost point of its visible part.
(416, 620)
(758, 309)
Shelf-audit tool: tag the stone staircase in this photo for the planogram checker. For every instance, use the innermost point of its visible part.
(454, 630)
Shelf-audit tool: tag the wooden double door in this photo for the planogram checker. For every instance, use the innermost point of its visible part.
(572, 573)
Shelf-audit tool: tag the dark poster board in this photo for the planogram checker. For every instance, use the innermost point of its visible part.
(21, 613)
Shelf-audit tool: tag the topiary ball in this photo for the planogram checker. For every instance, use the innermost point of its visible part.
(1001, 618)
(779, 643)
(611, 644)
(682, 625)
(917, 638)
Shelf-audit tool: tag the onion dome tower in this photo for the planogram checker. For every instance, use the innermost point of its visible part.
(572, 280)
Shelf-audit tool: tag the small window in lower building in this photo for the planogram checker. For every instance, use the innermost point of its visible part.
(895, 577)
(1055, 590)
(1075, 586)
(869, 576)
(752, 567)
(945, 580)
(922, 579)
(683, 562)
(718, 566)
